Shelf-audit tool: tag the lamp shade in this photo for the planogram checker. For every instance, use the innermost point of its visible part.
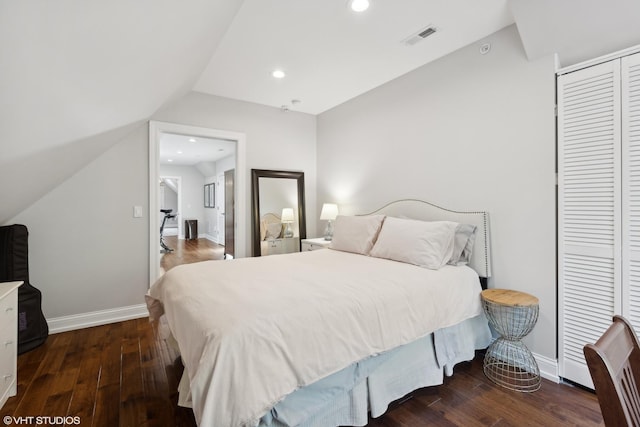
(287, 215)
(329, 212)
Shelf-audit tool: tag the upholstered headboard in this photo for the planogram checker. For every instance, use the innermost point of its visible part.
(425, 211)
(270, 220)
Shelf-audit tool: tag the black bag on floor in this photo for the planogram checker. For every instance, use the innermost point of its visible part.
(14, 266)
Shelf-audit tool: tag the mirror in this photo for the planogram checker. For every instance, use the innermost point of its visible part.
(279, 221)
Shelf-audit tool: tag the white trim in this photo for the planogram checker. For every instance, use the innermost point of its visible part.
(599, 60)
(96, 318)
(548, 368)
(156, 128)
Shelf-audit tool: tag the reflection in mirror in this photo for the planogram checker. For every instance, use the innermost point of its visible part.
(278, 211)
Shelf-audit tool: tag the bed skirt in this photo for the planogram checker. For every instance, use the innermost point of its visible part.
(347, 397)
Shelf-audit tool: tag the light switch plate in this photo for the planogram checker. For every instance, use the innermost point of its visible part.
(137, 211)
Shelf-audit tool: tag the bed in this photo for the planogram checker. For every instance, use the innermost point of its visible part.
(323, 338)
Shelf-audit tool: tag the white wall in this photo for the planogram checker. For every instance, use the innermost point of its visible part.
(169, 200)
(225, 164)
(468, 131)
(192, 193)
(88, 253)
(274, 139)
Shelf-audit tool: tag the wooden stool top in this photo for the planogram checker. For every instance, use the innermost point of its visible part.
(509, 297)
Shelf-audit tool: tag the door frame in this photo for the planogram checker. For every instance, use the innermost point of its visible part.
(156, 129)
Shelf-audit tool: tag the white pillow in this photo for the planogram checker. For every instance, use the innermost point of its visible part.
(356, 233)
(274, 229)
(422, 243)
(463, 244)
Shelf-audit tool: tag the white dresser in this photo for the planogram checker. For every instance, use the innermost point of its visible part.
(315, 244)
(8, 339)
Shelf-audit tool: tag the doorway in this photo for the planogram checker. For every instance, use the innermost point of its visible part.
(170, 197)
(197, 208)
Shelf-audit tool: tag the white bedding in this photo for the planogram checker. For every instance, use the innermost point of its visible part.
(253, 330)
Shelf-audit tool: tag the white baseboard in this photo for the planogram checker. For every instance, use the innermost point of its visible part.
(96, 318)
(548, 368)
(210, 238)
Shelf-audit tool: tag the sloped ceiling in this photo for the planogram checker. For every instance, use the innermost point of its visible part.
(77, 73)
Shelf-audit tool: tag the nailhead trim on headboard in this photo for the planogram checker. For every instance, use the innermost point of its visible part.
(485, 221)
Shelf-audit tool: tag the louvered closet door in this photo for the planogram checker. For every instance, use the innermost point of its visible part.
(630, 71)
(589, 211)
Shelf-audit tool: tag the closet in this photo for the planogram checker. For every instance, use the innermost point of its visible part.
(598, 204)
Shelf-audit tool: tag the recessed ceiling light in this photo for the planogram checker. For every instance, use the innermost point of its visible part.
(359, 5)
(170, 160)
(179, 152)
(278, 74)
(192, 140)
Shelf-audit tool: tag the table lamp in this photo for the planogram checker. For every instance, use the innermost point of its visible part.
(329, 213)
(287, 219)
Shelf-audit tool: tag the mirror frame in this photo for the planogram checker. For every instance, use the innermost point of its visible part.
(256, 174)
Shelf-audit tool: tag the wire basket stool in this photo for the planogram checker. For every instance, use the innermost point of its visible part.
(508, 362)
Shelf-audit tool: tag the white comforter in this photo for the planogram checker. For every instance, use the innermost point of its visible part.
(253, 330)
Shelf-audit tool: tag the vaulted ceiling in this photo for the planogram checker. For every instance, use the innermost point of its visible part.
(77, 76)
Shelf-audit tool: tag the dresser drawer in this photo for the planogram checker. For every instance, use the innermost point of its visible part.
(8, 318)
(8, 355)
(8, 374)
(8, 339)
(8, 307)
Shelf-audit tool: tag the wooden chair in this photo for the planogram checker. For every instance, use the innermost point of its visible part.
(614, 364)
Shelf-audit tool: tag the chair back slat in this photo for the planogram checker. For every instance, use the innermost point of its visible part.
(630, 393)
(614, 365)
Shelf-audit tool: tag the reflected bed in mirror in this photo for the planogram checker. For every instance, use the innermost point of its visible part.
(279, 221)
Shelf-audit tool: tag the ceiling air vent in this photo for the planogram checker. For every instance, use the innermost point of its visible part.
(418, 37)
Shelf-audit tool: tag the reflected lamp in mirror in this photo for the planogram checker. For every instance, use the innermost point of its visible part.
(287, 219)
(329, 213)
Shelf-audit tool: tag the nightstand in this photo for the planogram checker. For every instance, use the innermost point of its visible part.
(508, 362)
(315, 244)
(285, 245)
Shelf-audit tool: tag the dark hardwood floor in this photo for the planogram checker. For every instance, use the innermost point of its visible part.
(124, 374)
(188, 251)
